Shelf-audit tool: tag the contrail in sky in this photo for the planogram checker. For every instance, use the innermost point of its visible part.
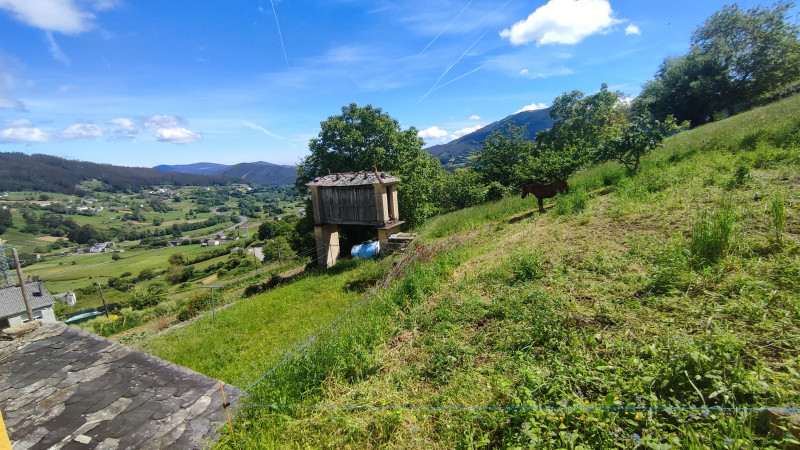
(446, 26)
(458, 78)
(280, 35)
(450, 67)
(261, 129)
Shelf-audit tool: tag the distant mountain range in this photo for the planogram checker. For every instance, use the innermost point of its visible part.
(21, 172)
(255, 172)
(453, 154)
(456, 151)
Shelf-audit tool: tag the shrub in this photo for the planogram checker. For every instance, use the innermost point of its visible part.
(145, 274)
(496, 191)
(197, 303)
(142, 298)
(572, 203)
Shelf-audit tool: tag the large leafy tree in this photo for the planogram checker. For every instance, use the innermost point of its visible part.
(689, 87)
(758, 50)
(582, 124)
(735, 57)
(363, 138)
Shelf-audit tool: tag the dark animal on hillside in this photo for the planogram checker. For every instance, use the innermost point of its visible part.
(543, 191)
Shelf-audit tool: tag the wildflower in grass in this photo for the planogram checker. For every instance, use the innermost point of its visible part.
(728, 441)
(637, 437)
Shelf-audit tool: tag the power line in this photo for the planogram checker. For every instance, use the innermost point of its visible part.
(789, 409)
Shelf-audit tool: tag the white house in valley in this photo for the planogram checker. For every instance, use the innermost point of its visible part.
(12, 305)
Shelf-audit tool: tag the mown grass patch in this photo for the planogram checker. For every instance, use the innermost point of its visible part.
(666, 291)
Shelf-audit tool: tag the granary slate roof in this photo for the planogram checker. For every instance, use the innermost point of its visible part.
(11, 301)
(353, 179)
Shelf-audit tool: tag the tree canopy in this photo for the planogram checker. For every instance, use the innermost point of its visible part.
(735, 57)
(640, 135)
(582, 124)
(503, 156)
(363, 138)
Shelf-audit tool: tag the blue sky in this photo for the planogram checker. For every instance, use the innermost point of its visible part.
(143, 82)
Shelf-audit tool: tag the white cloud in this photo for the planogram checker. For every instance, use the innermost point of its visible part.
(562, 22)
(261, 129)
(82, 131)
(532, 107)
(465, 131)
(62, 16)
(632, 29)
(177, 135)
(474, 117)
(624, 102)
(123, 124)
(433, 135)
(22, 131)
(55, 50)
(163, 121)
(122, 129)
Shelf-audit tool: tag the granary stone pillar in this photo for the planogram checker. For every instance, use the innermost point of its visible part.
(327, 238)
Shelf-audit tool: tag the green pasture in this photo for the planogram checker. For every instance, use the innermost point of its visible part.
(256, 332)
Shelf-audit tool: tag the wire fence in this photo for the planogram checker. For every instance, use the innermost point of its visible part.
(456, 408)
(789, 410)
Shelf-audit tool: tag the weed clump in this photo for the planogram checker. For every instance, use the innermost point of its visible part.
(711, 236)
(777, 211)
(672, 272)
(572, 203)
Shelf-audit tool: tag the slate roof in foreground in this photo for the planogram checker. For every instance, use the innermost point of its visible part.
(63, 387)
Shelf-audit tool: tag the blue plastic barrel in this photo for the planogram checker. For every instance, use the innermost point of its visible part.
(368, 250)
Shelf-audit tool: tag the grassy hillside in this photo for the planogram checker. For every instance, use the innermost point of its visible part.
(676, 288)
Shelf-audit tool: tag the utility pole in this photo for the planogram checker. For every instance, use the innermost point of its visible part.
(104, 302)
(22, 285)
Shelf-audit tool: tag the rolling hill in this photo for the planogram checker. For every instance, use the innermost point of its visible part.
(454, 152)
(19, 172)
(260, 172)
(201, 168)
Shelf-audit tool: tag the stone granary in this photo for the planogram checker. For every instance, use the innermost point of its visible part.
(352, 198)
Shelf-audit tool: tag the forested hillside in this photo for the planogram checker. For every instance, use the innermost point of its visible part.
(21, 172)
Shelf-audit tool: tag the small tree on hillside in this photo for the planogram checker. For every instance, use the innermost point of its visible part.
(642, 134)
(582, 124)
